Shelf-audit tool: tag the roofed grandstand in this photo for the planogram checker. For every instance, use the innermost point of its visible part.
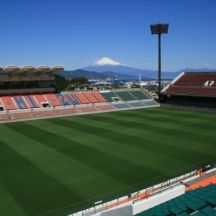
(29, 92)
(192, 89)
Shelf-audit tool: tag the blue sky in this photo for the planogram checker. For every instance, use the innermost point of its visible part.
(74, 33)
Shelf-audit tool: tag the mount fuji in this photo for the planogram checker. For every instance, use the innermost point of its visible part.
(105, 65)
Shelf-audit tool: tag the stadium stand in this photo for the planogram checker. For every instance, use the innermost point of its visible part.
(65, 99)
(32, 93)
(9, 103)
(20, 101)
(125, 95)
(53, 99)
(135, 104)
(193, 83)
(81, 97)
(74, 99)
(201, 201)
(192, 89)
(90, 97)
(121, 105)
(31, 102)
(41, 99)
(50, 103)
(99, 97)
(139, 95)
(110, 96)
(196, 79)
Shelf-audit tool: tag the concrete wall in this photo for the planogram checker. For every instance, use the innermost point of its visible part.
(157, 199)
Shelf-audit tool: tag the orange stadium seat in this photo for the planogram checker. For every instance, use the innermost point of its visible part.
(99, 97)
(90, 97)
(8, 103)
(82, 99)
(53, 99)
(40, 98)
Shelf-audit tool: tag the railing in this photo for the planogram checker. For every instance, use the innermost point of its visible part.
(139, 195)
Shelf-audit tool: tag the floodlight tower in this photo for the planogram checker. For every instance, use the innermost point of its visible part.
(159, 29)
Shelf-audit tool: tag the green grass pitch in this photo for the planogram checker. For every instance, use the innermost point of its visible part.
(56, 166)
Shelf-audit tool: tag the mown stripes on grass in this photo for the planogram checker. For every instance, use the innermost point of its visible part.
(55, 166)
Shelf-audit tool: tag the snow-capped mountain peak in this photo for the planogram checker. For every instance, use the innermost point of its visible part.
(107, 61)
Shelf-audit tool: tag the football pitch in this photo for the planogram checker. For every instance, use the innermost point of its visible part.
(53, 167)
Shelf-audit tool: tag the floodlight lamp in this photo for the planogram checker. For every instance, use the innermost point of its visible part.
(159, 28)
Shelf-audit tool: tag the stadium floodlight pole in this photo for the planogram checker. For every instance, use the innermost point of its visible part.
(159, 29)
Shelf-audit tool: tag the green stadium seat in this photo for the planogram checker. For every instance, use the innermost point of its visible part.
(199, 214)
(139, 95)
(200, 202)
(183, 214)
(125, 95)
(109, 96)
(209, 211)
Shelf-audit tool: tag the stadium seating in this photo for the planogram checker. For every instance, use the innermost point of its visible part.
(121, 105)
(65, 99)
(31, 102)
(40, 98)
(53, 99)
(145, 103)
(188, 90)
(149, 103)
(195, 79)
(201, 201)
(74, 99)
(90, 97)
(136, 104)
(99, 97)
(110, 96)
(48, 104)
(20, 101)
(80, 97)
(125, 95)
(9, 103)
(193, 84)
(139, 95)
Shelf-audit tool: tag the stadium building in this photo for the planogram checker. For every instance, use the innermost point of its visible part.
(197, 89)
(29, 92)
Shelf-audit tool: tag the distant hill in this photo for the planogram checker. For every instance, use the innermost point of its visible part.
(95, 75)
(108, 65)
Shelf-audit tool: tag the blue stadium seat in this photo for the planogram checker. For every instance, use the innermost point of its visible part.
(20, 102)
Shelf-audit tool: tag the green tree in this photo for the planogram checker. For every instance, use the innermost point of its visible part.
(79, 81)
(61, 82)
